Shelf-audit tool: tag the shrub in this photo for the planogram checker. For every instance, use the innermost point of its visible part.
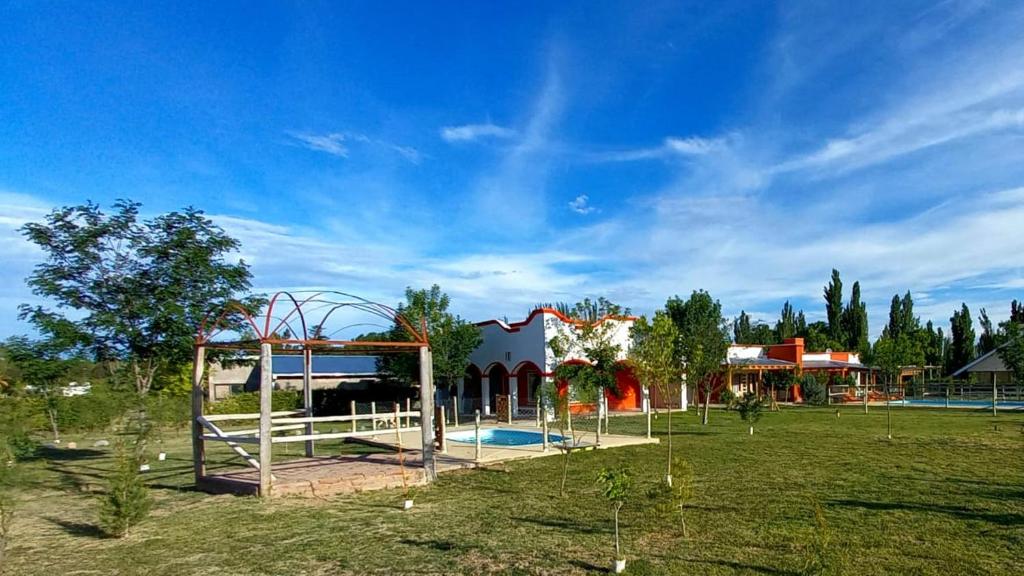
(727, 397)
(95, 410)
(20, 446)
(750, 408)
(249, 402)
(127, 501)
(814, 392)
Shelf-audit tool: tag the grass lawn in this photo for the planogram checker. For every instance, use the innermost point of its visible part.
(945, 496)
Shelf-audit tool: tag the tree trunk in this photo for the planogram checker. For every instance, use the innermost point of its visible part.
(707, 404)
(565, 467)
(51, 413)
(668, 477)
(618, 553)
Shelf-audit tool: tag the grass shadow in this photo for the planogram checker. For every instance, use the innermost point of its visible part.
(562, 524)
(740, 566)
(81, 529)
(1002, 519)
(590, 567)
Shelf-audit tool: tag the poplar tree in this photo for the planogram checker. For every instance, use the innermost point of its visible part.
(855, 322)
(834, 307)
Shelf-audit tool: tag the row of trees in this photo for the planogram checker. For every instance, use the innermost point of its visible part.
(904, 338)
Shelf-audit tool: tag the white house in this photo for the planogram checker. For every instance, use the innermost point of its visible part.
(514, 359)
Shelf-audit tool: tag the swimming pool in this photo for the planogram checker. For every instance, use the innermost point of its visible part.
(502, 437)
(941, 403)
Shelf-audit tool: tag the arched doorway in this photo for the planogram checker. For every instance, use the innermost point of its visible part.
(497, 377)
(528, 382)
(472, 396)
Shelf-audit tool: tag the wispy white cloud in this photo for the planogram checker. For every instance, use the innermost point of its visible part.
(338, 144)
(332, 143)
(581, 205)
(514, 191)
(471, 132)
(671, 148)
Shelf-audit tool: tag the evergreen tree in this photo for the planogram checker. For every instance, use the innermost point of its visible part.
(962, 347)
(855, 322)
(988, 339)
(1017, 312)
(741, 332)
(786, 327)
(834, 307)
(801, 324)
(892, 329)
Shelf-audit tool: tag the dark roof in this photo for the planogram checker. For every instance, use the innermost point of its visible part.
(979, 360)
(292, 364)
(824, 364)
(760, 361)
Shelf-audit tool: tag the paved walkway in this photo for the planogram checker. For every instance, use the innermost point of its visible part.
(320, 476)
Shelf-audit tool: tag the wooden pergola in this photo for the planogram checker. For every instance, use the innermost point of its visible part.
(288, 313)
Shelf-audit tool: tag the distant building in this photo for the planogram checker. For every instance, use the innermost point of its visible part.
(746, 367)
(350, 372)
(76, 389)
(514, 359)
(987, 368)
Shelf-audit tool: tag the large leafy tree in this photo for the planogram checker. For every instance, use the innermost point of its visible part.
(131, 290)
(1012, 351)
(962, 346)
(591, 339)
(747, 332)
(703, 339)
(654, 356)
(452, 339)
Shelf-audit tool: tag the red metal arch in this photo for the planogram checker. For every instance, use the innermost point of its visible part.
(267, 324)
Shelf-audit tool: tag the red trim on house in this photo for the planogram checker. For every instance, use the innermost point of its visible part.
(516, 326)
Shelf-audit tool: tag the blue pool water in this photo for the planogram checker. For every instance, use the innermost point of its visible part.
(941, 402)
(502, 437)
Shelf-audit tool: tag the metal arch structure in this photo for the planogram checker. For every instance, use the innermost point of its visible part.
(292, 311)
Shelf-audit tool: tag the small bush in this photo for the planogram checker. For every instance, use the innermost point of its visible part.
(21, 446)
(814, 392)
(751, 408)
(727, 397)
(127, 501)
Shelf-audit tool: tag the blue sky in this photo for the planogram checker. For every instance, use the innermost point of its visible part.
(524, 152)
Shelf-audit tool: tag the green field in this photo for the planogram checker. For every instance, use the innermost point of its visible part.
(945, 496)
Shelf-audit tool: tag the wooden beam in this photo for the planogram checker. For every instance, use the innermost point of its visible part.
(266, 391)
(307, 394)
(427, 413)
(198, 444)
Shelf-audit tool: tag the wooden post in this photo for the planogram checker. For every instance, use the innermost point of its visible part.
(478, 449)
(307, 395)
(427, 413)
(600, 414)
(408, 408)
(455, 409)
(198, 444)
(995, 412)
(542, 411)
(398, 427)
(649, 420)
(373, 415)
(441, 425)
(352, 412)
(266, 375)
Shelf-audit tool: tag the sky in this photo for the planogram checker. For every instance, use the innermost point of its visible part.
(526, 152)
